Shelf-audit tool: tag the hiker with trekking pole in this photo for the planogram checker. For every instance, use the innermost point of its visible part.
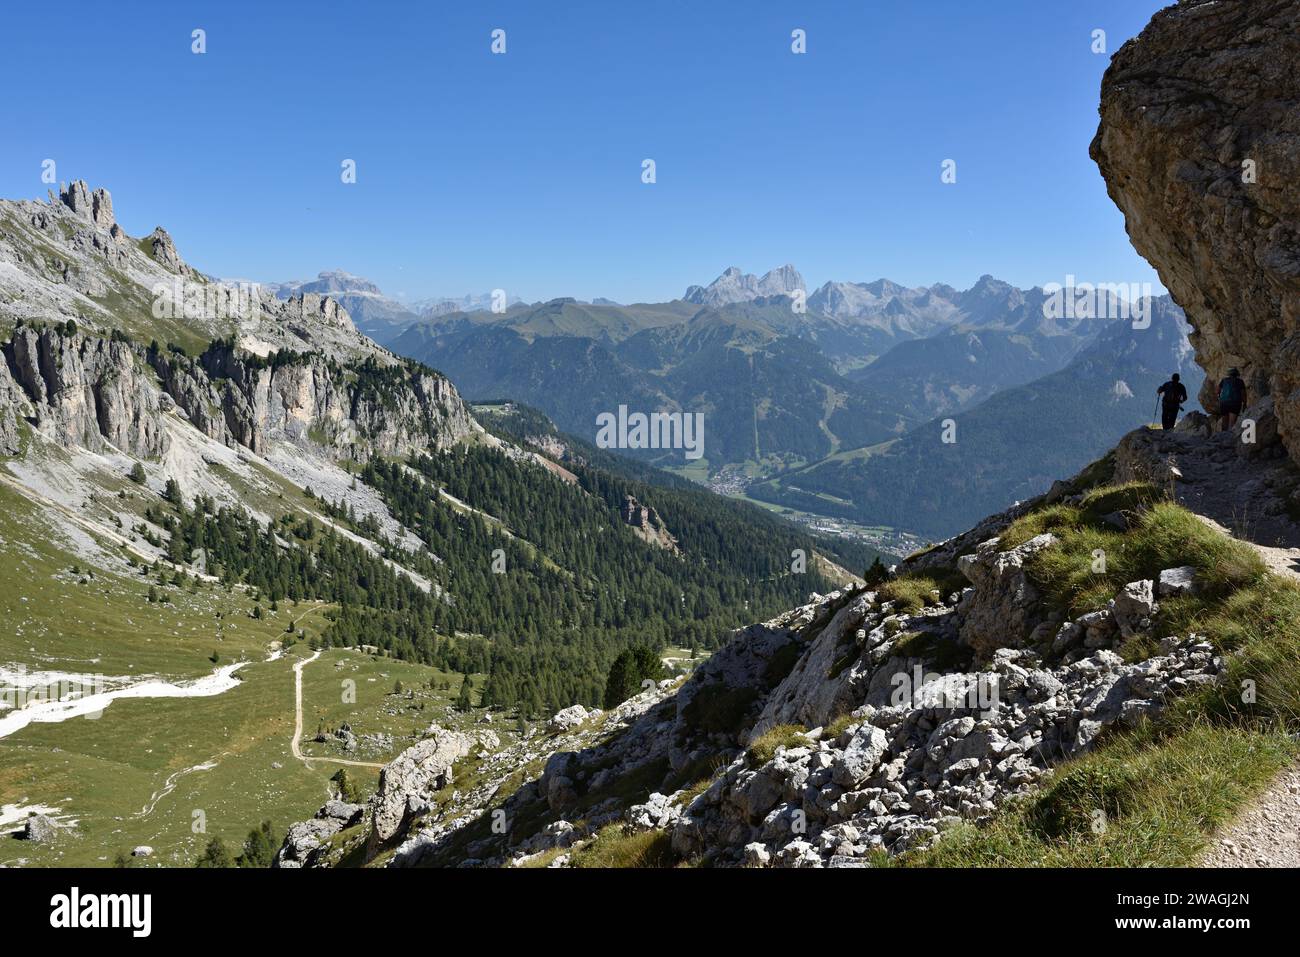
(1169, 399)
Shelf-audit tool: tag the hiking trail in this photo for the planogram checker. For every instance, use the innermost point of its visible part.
(1246, 496)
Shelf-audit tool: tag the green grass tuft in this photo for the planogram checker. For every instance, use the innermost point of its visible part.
(839, 725)
(1160, 535)
(912, 591)
(613, 847)
(764, 747)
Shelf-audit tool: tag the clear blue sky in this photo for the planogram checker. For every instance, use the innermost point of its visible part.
(523, 171)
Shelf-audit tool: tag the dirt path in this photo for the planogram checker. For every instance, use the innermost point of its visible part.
(1280, 561)
(1247, 496)
(1267, 833)
(1248, 499)
(295, 743)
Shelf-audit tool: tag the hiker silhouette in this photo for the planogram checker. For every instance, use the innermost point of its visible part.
(1232, 397)
(1172, 396)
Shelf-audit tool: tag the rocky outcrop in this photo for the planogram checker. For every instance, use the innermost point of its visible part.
(163, 249)
(572, 717)
(306, 841)
(407, 784)
(353, 411)
(90, 392)
(899, 772)
(85, 391)
(310, 311)
(891, 725)
(1003, 608)
(647, 524)
(819, 686)
(94, 207)
(1199, 144)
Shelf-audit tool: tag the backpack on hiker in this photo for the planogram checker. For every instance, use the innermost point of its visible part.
(1230, 392)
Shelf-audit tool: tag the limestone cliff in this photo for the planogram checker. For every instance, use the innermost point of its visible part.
(84, 391)
(101, 328)
(1199, 144)
(89, 392)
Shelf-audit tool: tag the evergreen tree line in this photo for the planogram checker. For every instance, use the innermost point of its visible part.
(543, 602)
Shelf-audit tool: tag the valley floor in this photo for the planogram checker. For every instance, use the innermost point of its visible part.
(171, 773)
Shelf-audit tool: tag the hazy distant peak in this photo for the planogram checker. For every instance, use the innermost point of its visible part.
(328, 282)
(735, 286)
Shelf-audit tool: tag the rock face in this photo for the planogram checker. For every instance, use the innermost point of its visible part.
(87, 391)
(83, 391)
(305, 840)
(1199, 144)
(164, 251)
(1004, 607)
(95, 207)
(647, 524)
(410, 780)
(363, 410)
(14, 408)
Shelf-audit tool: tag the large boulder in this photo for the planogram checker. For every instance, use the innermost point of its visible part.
(859, 759)
(1199, 144)
(1177, 581)
(568, 718)
(817, 688)
(1004, 607)
(1134, 607)
(410, 780)
(303, 840)
(39, 829)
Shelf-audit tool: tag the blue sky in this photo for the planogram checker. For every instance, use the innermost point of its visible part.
(523, 171)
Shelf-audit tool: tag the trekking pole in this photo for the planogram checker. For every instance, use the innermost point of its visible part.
(1155, 413)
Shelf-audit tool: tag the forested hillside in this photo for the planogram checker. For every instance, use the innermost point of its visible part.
(1008, 448)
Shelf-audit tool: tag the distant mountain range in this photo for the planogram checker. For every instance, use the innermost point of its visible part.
(1007, 448)
(815, 396)
(374, 313)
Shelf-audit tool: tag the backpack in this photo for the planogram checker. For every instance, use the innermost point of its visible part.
(1230, 391)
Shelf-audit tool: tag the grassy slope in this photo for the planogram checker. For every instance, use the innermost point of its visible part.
(1152, 796)
(103, 773)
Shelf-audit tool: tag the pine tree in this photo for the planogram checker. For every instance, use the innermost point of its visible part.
(876, 573)
(465, 700)
(215, 855)
(260, 847)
